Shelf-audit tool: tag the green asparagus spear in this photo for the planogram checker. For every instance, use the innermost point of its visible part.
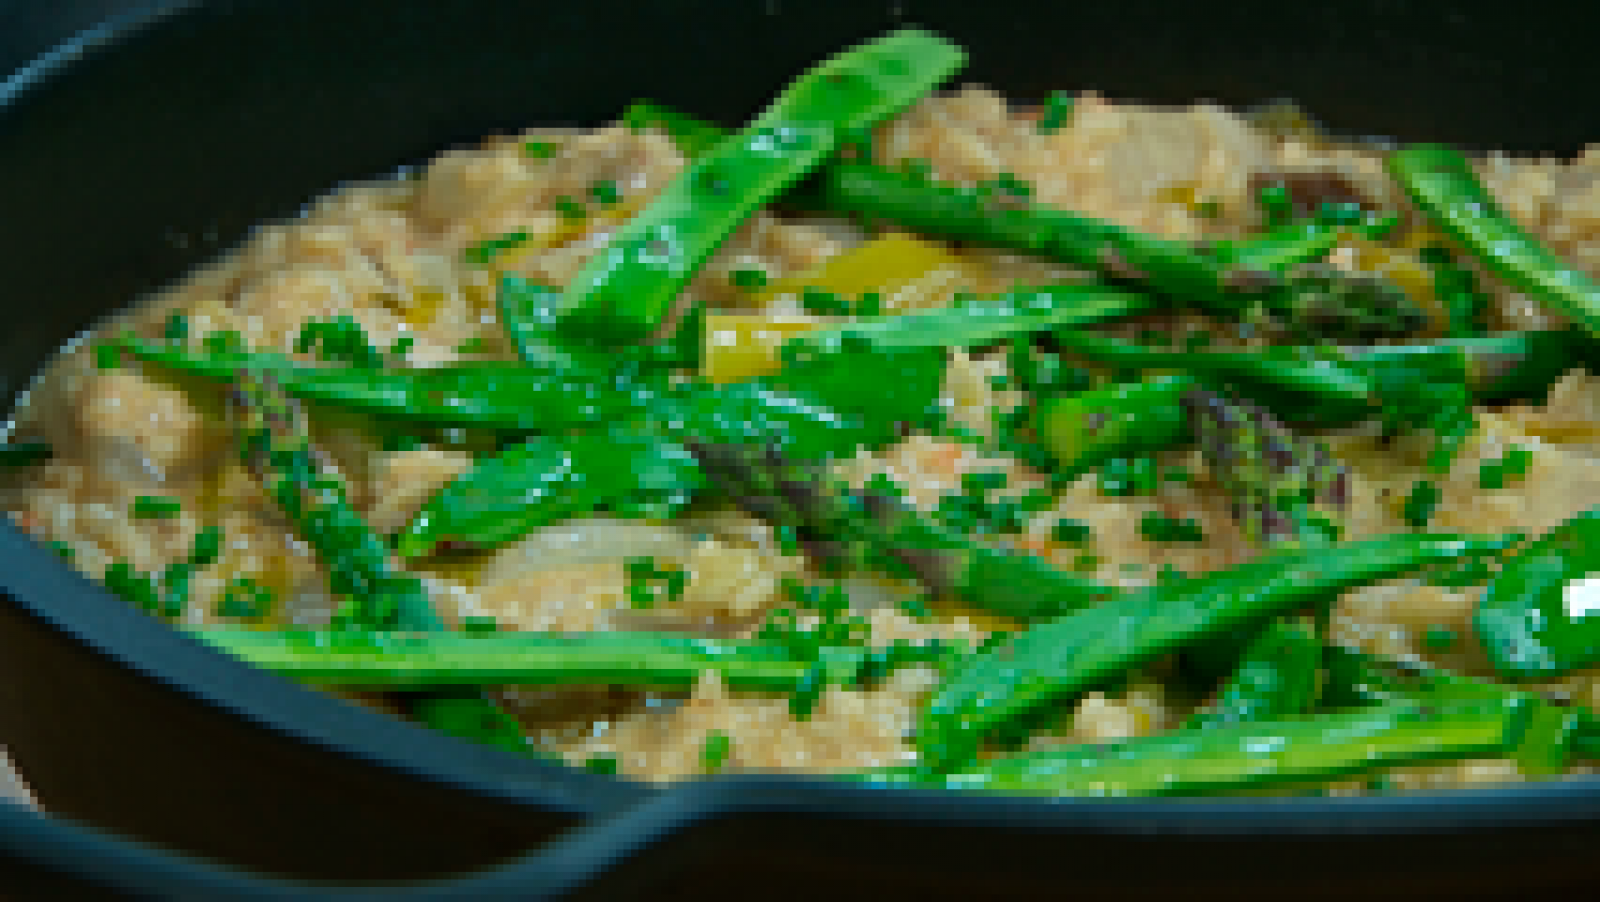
(1537, 618)
(1282, 486)
(1059, 658)
(277, 447)
(626, 290)
(1317, 300)
(1244, 756)
(862, 529)
(1442, 183)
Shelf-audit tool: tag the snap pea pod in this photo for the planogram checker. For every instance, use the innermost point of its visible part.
(627, 289)
(500, 396)
(1441, 182)
(277, 447)
(873, 528)
(820, 405)
(545, 479)
(1058, 658)
(1277, 677)
(1540, 615)
(408, 660)
(1244, 756)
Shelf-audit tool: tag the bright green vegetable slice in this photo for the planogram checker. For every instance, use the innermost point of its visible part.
(1443, 184)
(1540, 616)
(1246, 756)
(501, 396)
(549, 478)
(627, 290)
(401, 660)
(1276, 678)
(1059, 658)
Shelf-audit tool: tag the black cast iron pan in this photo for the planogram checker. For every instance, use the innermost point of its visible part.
(144, 147)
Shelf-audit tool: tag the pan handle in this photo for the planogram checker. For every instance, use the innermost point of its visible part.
(59, 858)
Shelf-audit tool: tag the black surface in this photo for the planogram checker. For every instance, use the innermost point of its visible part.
(127, 162)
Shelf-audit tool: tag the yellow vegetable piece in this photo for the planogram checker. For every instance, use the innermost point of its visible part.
(741, 346)
(1406, 270)
(907, 273)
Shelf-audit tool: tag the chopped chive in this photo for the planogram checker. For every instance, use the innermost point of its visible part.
(917, 168)
(479, 625)
(715, 751)
(604, 192)
(207, 547)
(107, 356)
(748, 279)
(156, 507)
(1071, 532)
(245, 599)
(1420, 503)
(979, 482)
(1158, 527)
(603, 764)
(402, 347)
(869, 304)
(223, 341)
(1439, 638)
(538, 150)
(473, 345)
(177, 328)
(1086, 563)
(63, 549)
(915, 607)
(483, 252)
(571, 210)
(1058, 107)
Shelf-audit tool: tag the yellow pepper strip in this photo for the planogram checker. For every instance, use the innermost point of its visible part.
(1405, 269)
(740, 346)
(907, 273)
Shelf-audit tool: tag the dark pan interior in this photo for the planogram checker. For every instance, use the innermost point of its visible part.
(145, 150)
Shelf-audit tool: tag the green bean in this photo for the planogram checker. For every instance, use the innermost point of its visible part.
(1441, 182)
(545, 479)
(1536, 618)
(23, 454)
(1059, 658)
(1244, 756)
(874, 528)
(1276, 678)
(626, 290)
